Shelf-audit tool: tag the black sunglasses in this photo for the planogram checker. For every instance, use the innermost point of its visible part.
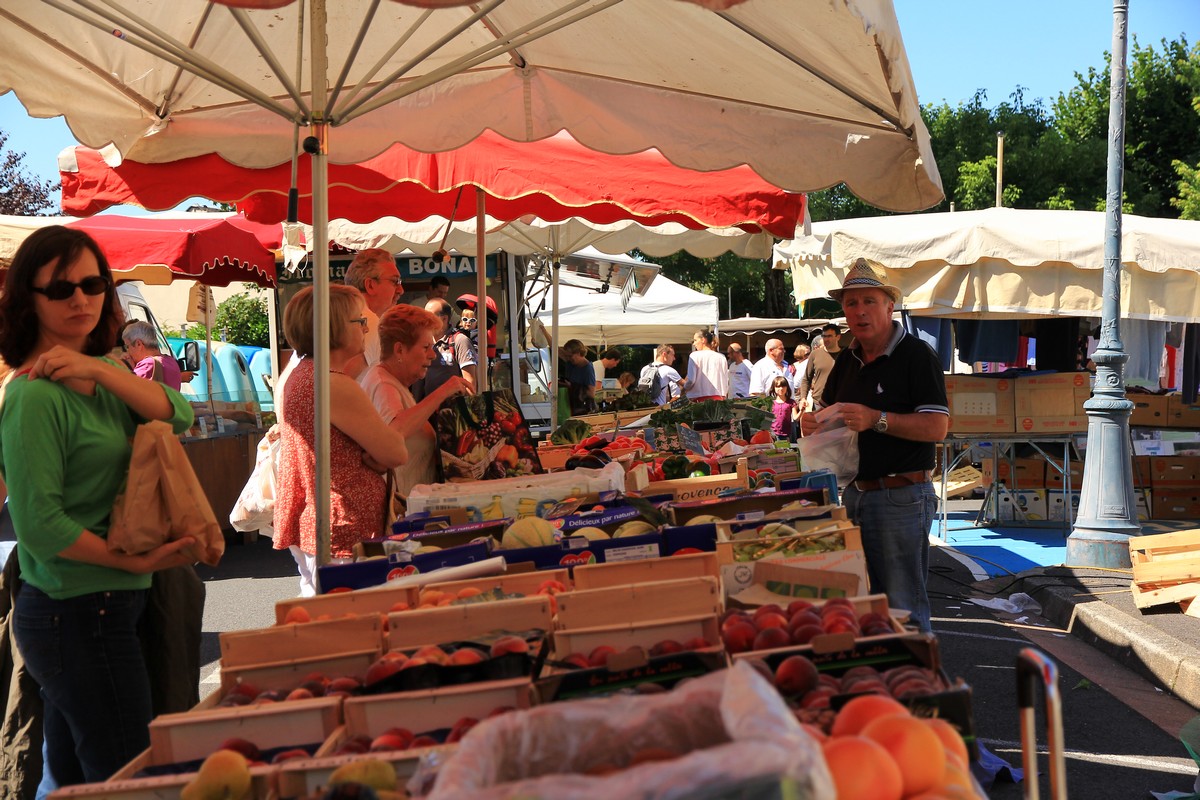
(62, 290)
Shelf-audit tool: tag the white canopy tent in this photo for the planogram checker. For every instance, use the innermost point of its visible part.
(1006, 262)
(667, 312)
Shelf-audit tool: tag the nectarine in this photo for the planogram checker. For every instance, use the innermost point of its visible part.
(862, 769)
(509, 644)
(915, 748)
(771, 639)
(861, 711)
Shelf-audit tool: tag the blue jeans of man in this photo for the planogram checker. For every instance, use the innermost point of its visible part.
(895, 533)
(85, 654)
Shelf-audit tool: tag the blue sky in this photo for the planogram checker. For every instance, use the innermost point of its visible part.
(954, 47)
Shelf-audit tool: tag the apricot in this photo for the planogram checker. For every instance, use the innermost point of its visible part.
(225, 773)
(509, 644)
(299, 693)
(345, 684)
(861, 711)
(862, 769)
(796, 676)
(951, 739)
(805, 633)
(392, 739)
(599, 655)
(771, 639)
(769, 608)
(796, 606)
(666, 647)
(915, 748)
(401, 605)
(466, 655)
(383, 668)
(297, 614)
(469, 591)
(432, 654)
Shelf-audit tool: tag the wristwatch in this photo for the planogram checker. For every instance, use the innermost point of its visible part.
(881, 425)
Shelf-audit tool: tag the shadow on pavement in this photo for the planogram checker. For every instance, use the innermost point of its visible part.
(255, 559)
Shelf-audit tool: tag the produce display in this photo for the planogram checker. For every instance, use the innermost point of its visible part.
(485, 436)
(786, 543)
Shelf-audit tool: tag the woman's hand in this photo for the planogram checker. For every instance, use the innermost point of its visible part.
(66, 366)
(165, 556)
(452, 388)
(808, 423)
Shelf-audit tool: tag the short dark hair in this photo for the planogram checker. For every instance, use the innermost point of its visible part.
(19, 326)
(710, 339)
(611, 353)
(439, 280)
(832, 327)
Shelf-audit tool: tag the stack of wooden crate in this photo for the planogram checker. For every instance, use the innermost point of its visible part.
(1166, 569)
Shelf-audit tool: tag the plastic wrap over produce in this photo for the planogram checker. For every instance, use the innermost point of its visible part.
(516, 497)
(731, 727)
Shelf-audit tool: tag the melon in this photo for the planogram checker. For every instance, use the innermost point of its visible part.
(590, 533)
(702, 519)
(636, 527)
(528, 532)
(776, 529)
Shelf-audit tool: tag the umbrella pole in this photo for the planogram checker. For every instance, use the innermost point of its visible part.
(481, 361)
(554, 344)
(316, 145)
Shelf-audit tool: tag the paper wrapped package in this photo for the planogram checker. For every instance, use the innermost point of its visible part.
(515, 497)
(732, 726)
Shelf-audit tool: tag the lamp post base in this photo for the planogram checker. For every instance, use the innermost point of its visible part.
(1093, 548)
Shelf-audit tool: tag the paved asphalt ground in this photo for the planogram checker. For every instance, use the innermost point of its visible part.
(1121, 729)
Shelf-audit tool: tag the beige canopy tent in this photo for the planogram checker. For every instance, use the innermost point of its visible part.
(1005, 262)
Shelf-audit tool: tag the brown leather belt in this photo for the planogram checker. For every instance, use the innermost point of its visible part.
(893, 481)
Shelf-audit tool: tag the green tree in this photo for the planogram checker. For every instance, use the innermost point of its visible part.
(746, 283)
(1162, 125)
(242, 319)
(21, 193)
(1187, 197)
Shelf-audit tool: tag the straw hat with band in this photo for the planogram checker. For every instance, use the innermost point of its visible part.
(866, 274)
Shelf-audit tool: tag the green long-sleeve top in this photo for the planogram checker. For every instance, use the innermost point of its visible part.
(64, 457)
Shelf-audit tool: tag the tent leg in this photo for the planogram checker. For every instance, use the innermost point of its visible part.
(481, 360)
(317, 146)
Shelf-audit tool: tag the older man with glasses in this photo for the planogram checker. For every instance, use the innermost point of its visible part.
(373, 272)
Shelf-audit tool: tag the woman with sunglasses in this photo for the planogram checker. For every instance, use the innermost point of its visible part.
(361, 445)
(66, 417)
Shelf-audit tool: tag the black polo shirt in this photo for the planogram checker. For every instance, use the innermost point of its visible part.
(907, 378)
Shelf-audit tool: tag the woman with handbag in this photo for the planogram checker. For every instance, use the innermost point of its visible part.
(66, 418)
(407, 338)
(361, 446)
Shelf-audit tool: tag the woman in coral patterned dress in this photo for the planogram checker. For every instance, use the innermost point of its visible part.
(361, 446)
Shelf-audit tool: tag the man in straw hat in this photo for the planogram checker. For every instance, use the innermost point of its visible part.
(889, 387)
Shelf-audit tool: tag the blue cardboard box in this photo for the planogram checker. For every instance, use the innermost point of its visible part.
(378, 571)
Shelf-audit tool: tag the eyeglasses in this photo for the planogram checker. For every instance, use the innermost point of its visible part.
(360, 320)
(64, 290)
(392, 279)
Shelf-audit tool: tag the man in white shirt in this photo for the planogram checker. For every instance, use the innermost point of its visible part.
(738, 371)
(606, 366)
(767, 369)
(707, 373)
(373, 272)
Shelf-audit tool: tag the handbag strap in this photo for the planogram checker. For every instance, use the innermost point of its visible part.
(389, 486)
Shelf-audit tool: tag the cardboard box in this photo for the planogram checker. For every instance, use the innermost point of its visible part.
(746, 546)
(777, 582)
(1016, 473)
(980, 404)
(1023, 505)
(694, 565)
(378, 571)
(752, 505)
(1181, 414)
(1176, 503)
(577, 551)
(637, 602)
(1055, 478)
(1174, 472)
(1150, 410)
(1056, 504)
(738, 577)
(1052, 402)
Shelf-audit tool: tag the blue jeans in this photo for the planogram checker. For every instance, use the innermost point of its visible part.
(895, 534)
(85, 654)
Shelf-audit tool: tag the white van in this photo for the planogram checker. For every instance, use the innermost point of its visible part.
(136, 308)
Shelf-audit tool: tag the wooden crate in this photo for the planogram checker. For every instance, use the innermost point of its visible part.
(461, 623)
(339, 604)
(523, 583)
(961, 481)
(693, 565)
(639, 601)
(1166, 567)
(300, 640)
(640, 634)
(686, 489)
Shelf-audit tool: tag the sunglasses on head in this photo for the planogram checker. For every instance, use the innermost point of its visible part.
(63, 290)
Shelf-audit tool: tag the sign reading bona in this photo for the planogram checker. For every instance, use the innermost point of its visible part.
(416, 268)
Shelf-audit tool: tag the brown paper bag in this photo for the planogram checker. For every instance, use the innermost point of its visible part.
(163, 500)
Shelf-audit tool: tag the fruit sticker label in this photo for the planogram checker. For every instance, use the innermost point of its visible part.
(402, 572)
(577, 558)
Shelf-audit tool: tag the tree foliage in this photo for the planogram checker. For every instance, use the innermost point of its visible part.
(21, 193)
(242, 319)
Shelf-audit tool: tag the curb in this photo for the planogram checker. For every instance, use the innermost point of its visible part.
(1154, 655)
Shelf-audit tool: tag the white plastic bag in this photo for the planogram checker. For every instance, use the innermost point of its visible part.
(732, 725)
(834, 449)
(255, 506)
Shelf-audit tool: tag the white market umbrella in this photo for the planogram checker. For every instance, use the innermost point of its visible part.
(1007, 262)
(808, 93)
